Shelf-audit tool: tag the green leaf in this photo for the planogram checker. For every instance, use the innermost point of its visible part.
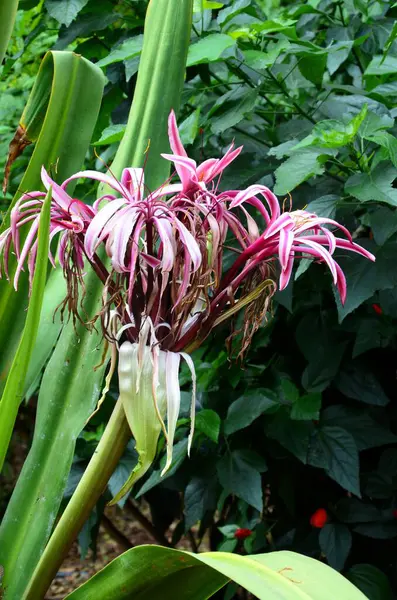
(188, 129)
(128, 49)
(387, 141)
(364, 277)
(13, 392)
(380, 65)
(165, 46)
(271, 576)
(231, 108)
(200, 497)
(325, 206)
(209, 49)
(110, 135)
(64, 11)
(229, 12)
(59, 119)
(337, 55)
(312, 66)
(256, 59)
(332, 133)
(179, 455)
(371, 581)
(121, 473)
(334, 449)
(306, 408)
(292, 435)
(298, 168)
(243, 411)
(367, 433)
(8, 12)
(238, 475)
(335, 542)
(208, 422)
(383, 224)
(360, 383)
(68, 394)
(372, 333)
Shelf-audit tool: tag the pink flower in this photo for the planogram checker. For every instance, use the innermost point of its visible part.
(193, 177)
(69, 217)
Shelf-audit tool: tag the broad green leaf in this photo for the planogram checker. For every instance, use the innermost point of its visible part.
(371, 581)
(209, 49)
(8, 11)
(312, 67)
(383, 223)
(367, 432)
(298, 168)
(306, 408)
(325, 206)
(200, 496)
(208, 422)
(243, 411)
(128, 49)
(334, 449)
(110, 135)
(200, 5)
(361, 384)
(373, 123)
(382, 66)
(229, 12)
(337, 55)
(335, 542)
(240, 476)
(287, 26)
(231, 108)
(13, 392)
(59, 119)
(178, 456)
(372, 333)
(69, 391)
(292, 435)
(376, 185)
(279, 575)
(256, 59)
(388, 142)
(333, 133)
(188, 129)
(364, 278)
(64, 11)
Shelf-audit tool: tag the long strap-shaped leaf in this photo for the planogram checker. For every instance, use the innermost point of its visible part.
(158, 90)
(156, 573)
(68, 394)
(155, 109)
(13, 392)
(59, 119)
(8, 11)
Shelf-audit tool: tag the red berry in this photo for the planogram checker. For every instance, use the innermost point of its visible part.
(242, 534)
(377, 309)
(395, 513)
(319, 518)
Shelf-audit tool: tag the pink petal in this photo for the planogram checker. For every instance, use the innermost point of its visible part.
(173, 135)
(285, 245)
(94, 230)
(286, 273)
(102, 177)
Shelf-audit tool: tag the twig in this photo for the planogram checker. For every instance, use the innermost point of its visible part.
(147, 525)
(116, 534)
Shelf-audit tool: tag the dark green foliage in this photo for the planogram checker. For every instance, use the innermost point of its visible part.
(310, 420)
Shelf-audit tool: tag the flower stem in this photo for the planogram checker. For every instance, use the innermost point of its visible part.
(89, 489)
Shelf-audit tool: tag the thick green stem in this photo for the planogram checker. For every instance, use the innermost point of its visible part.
(91, 486)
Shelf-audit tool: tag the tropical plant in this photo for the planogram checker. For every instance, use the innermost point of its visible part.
(274, 446)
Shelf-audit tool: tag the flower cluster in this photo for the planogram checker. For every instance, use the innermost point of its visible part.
(166, 248)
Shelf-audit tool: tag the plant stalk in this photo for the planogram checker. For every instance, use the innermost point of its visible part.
(90, 487)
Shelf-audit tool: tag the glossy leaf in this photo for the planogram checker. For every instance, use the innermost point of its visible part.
(143, 572)
(59, 120)
(69, 391)
(8, 11)
(13, 392)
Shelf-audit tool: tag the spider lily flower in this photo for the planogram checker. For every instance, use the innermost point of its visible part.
(69, 217)
(193, 178)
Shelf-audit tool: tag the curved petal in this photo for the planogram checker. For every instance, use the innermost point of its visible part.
(93, 233)
(102, 177)
(173, 135)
